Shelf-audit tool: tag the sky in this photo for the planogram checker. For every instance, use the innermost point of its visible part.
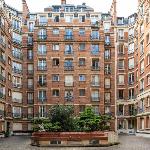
(124, 7)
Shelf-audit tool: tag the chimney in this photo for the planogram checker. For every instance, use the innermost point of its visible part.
(63, 2)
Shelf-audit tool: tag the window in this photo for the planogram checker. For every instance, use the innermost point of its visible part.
(148, 101)
(120, 94)
(17, 112)
(42, 34)
(120, 110)
(107, 26)
(81, 92)
(142, 48)
(55, 61)
(96, 110)
(131, 32)
(30, 54)
(95, 80)
(55, 77)
(30, 40)
(107, 40)
(142, 28)
(107, 97)
(55, 31)
(95, 64)
(95, 95)
(148, 80)
(68, 80)
(82, 77)
(131, 48)
(42, 65)
(142, 66)
(42, 95)
(42, 49)
(121, 49)
(120, 79)
(107, 110)
(148, 59)
(142, 85)
(82, 46)
(120, 64)
(68, 49)
(30, 98)
(68, 63)
(95, 35)
(56, 18)
(42, 111)
(107, 69)
(55, 92)
(55, 47)
(120, 34)
(17, 97)
(94, 49)
(42, 80)
(131, 93)
(81, 18)
(107, 83)
(131, 78)
(147, 39)
(17, 38)
(68, 33)
(69, 95)
(42, 20)
(81, 31)
(81, 61)
(69, 18)
(30, 83)
(31, 26)
(131, 63)
(81, 108)
(107, 54)
(147, 17)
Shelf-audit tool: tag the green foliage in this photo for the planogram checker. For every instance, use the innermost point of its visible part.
(61, 118)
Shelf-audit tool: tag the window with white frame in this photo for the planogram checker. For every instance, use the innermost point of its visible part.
(142, 48)
(55, 47)
(69, 18)
(120, 64)
(55, 31)
(107, 54)
(42, 49)
(107, 83)
(96, 110)
(131, 63)
(107, 97)
(148, 59)
(17, 97)
(82, 31)
(107, 26)
(121, 34)
(42, 111)
(131, 48)
(68, 80)
(82, 18)
(131, 93)
(95, 95)
(17, 112)
(142, 85)
(42, 95)
(81, 92)
(131, 78)
(95, 80)
(120, 79)
(142, 66)
(82, 46)
(55, 92)
(42, 20)
(148, 79)
(120, 49)
(107, 109)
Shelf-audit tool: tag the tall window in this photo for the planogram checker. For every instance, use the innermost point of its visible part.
(120, 34)
(94, 49)
(42, 49)
(107, 54)
(131, 63)
(42, 111)
(42, 34)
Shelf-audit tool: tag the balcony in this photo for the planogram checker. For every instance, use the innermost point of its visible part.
(95, 24)
(30, 101)
(42, 83)
(69, 52)
(2, 78)
(30, 57)
(68, 37)
(140, 110)
(30, 72)
(131, 82)
(93, 37)
(42, 99)
(107, 86)
(43, 23)
(107, 43)
(17, 28)
(16, 100)
(68, 68)
(16, 41)
(17, 85)
(42, 68)
(95, 52)
(2, 59)
(69, 98)
(17, 115)
(120, 113)
(2, 42)
(95, 99)
(17, 55)
(95, 68)
(31, 87)
(17, 71)
(42, 37)
(95, 84)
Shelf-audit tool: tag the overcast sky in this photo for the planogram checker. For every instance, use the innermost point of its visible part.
(124, 7)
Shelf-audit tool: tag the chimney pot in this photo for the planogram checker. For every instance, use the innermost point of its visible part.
(63, 2)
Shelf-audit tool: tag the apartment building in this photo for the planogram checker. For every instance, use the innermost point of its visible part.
(72, 55)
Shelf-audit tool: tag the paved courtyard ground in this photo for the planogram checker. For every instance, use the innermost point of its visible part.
(127, 143)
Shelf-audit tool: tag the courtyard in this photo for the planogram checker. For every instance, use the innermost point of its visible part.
(126, 143)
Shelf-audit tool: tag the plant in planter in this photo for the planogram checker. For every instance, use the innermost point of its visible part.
(62, 119)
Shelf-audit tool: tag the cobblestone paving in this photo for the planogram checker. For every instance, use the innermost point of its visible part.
(127, 143)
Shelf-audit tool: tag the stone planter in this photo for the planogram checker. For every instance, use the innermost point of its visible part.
(74, 138)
